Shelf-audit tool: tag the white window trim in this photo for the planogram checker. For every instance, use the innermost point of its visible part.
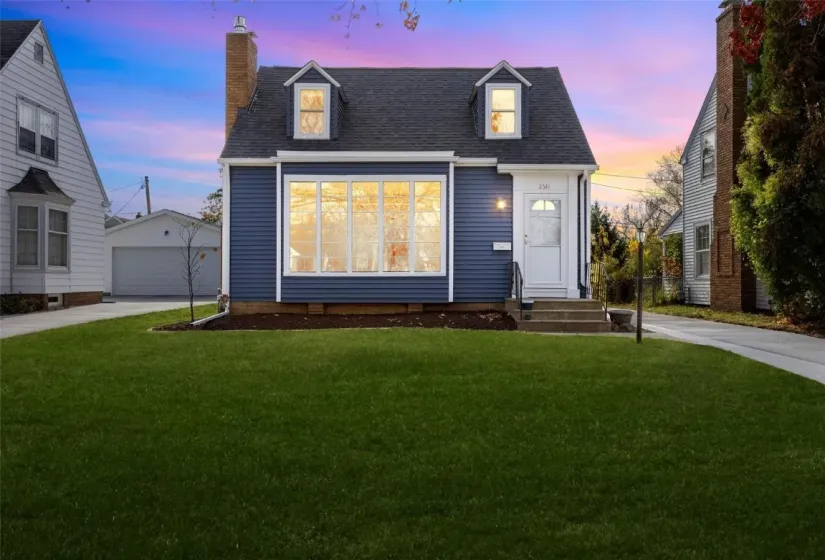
(702, 154)
(43, 208)
(37, 109)
(697, 251)
(488, 111)
(58, 208)
(349, 179)
(297, 111)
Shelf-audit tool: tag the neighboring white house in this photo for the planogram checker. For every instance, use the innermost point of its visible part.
(695, 221)
(145, 256)
(52, 201)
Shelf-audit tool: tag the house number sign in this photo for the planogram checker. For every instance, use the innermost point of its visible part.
(544, 186)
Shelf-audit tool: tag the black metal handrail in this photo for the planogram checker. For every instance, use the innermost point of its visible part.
(597, 283)
(517, 286)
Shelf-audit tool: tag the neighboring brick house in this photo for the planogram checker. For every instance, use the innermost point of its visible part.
(715, 272)
(52, 200)
(400, 187)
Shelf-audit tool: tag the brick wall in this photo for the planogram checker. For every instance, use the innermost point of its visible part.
(74, 299)
(732, 283)
(241, 73)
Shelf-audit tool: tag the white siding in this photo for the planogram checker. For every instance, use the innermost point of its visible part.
(763, 300)
(73, 172)
(151, 232)
(698, 207)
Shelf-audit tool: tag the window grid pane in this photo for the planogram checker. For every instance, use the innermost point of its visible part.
(396, 226)
(302, 226)
(27, 121)
(503, 122)
(58, 221)
(27, 235)
(364, 226)
(334, 227)
(503, 99)
(48, 133)
(427, 230)
(58, 249)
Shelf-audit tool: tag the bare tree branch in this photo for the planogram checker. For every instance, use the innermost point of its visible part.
(192, 256)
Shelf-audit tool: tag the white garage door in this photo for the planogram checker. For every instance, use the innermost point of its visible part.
(159, 271)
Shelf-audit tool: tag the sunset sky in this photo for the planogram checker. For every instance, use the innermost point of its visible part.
(147, 77)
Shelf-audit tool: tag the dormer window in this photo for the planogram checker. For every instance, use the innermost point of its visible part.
(503, 115)
(312, 111)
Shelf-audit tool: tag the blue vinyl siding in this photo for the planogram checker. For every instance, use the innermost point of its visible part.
(352, 289)
(254, 235)
(481, 274)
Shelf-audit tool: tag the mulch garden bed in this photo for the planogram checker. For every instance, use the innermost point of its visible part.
(480, 320)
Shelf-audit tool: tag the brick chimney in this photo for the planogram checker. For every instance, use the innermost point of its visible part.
(732, 282)
(241, 70)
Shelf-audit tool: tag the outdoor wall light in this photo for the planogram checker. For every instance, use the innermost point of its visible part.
(501, 204)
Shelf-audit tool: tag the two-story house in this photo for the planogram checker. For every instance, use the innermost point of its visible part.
(400, 188)
(715, 273)
(52, 201)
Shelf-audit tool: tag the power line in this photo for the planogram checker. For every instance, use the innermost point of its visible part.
(130, 200)
(125, 187)
(618, 188)
(622, 176)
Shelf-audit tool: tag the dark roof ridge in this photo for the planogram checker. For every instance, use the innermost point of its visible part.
(281, 66)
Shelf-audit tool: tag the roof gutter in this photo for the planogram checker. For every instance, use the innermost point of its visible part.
(532, 167)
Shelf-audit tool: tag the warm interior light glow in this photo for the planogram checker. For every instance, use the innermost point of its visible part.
(501, 204)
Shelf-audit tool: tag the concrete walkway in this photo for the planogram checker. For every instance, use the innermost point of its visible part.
(797, 353)
(116, 307)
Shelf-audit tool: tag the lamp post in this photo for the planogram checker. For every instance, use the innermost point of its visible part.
(640, 272)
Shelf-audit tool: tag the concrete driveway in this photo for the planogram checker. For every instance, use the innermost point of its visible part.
(797, 353)
(110, 309)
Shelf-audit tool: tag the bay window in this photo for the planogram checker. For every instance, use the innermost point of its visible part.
(366, 225)
(27, 233)
(58, 238)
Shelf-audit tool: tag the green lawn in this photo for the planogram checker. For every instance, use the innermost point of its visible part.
(120, 443)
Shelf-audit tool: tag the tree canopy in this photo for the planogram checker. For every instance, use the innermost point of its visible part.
(779, 208)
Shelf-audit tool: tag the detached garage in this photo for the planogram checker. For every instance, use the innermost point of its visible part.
(144, 257)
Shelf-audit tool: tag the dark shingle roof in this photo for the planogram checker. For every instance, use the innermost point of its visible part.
(37, 181)
(12, 35)
(416, 109)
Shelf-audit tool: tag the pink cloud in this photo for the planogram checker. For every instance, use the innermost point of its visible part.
(192, 141)
(194, 176)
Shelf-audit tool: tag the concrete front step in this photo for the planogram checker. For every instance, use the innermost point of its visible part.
(563, 314)
(540, 304)
(564, 326)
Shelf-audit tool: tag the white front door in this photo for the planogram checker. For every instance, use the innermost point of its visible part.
(544, 240)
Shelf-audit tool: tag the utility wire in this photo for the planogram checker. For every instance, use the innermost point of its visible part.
(622, 176)
(125, 187)
(618, 188)
(130, 200)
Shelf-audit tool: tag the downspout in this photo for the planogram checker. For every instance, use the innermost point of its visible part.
(579, 246)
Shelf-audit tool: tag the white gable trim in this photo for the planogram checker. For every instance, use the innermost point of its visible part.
(158, 214)
(309, 66)
(506, 66)
(106, 202)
